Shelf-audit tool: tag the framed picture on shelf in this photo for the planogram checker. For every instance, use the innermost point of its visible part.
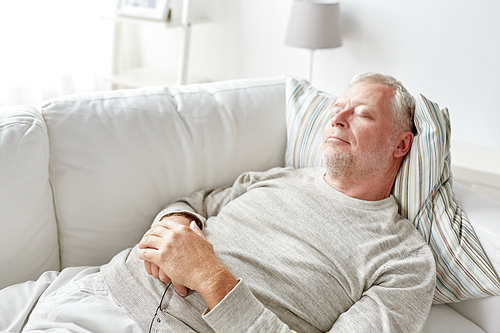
(149, 9)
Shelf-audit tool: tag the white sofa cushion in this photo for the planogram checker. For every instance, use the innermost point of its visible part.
(118, 157)
(27, 222)
(442, 318)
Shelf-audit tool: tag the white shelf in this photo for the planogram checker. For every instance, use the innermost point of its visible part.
(141, 77)
(150, 22)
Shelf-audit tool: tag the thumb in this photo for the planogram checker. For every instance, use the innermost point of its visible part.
(195, 228)
(181, 290)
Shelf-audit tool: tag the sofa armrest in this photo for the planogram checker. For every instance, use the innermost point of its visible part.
(28, 231)
(484, 215)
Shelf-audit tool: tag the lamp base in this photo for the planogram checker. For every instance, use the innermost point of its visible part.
(311, 62)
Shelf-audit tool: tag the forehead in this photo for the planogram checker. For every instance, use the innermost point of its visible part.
(372, 94)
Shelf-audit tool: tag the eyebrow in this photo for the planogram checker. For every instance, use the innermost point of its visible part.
(356, 102)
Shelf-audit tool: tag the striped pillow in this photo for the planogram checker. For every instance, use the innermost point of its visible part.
(307, 113)
(423, 189)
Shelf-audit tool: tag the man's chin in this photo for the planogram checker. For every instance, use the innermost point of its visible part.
(338, 164)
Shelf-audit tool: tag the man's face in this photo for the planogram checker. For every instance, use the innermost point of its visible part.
(358, 140)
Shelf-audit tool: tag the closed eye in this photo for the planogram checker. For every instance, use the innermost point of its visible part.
(364, 111)
(364, 114)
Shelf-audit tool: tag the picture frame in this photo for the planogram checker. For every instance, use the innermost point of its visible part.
(147, 9)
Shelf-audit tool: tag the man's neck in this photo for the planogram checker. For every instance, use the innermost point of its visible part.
(369, 188)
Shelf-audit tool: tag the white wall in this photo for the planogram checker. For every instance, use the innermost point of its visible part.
(50, 48)
(449, 50)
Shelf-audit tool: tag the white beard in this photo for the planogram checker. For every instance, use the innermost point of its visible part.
(350, 166)
(338, 164)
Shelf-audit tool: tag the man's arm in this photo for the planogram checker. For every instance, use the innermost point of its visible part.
(187, 257)
(198, 207)
(398, 299)
(153, 269)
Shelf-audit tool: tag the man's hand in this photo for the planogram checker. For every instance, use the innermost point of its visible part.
(187, 258)
(153, 269)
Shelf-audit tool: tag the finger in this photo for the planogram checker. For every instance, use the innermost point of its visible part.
(164, 277)
(168, 224)
(196, 229)
(156, 230)
(150, 242)
(181, 290)
(147, 254)
(155, 270)
(150, 232)
(147, 266)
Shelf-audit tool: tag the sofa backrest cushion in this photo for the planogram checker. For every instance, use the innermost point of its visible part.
(118, 157)
(27, 223)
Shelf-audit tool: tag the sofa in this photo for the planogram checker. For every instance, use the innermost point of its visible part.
(83, 176)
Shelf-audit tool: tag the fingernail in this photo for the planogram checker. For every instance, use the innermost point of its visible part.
(193, 225)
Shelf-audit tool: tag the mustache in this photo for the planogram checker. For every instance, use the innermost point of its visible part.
(337, 136)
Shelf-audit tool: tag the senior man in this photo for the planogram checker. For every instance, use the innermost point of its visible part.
(310, 250)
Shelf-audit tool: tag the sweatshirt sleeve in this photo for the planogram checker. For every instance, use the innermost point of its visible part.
(398, 299)
(240, 311)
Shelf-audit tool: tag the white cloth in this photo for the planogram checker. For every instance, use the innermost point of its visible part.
(60, 299)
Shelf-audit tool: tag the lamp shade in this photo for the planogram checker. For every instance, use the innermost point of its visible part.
(314, 25)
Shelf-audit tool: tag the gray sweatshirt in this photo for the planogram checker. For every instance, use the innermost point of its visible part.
(308, 259)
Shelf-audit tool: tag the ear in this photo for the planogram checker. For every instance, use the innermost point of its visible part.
(405, 139)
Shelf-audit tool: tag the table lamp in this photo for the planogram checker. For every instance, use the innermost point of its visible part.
(314, 24)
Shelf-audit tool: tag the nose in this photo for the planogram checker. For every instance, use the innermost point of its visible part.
(340, 119)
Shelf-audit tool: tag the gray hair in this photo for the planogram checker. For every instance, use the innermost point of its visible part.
(402, 104)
